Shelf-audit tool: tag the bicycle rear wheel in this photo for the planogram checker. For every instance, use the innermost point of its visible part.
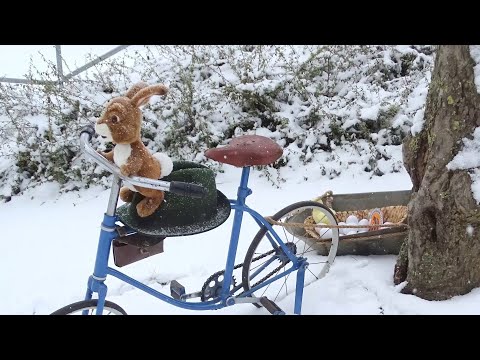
(265, 260)
(90, 306)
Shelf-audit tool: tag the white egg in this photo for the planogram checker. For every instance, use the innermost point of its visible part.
(319, 230)
(324, 233)
(363, 222)
(352, 219)
(353, 232)
(342, 231)
(386, 227)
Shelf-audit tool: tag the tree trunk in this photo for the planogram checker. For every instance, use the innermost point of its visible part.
(440, 259)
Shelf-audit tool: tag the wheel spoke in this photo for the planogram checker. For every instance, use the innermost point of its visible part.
(286, 236)
(309, 247)
(309, 251)
(259, 265)
(312, 273)
(266, 288)
(286, 286)
(284, 283)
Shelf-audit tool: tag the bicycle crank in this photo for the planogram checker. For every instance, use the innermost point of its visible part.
(213, 285)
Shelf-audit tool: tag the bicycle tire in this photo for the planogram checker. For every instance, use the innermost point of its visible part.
(89, 305)
(285, 213)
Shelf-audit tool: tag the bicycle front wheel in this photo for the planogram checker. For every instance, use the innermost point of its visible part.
(90, 306)
(265, 258)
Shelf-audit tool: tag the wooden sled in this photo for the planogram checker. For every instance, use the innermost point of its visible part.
(377, 242)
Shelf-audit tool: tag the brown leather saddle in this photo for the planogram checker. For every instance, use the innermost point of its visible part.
(247, 150)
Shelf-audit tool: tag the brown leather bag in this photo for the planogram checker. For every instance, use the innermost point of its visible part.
(136, 247)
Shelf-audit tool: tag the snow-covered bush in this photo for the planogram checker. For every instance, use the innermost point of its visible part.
(315, 101)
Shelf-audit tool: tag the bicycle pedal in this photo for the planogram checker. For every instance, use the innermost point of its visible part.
(177, 290)
(272, 308)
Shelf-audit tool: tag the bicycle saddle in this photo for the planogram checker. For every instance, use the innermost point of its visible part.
(247, 150)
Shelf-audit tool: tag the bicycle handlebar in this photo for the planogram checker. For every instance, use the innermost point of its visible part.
(175, 187)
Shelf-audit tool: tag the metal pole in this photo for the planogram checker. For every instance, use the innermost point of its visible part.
(60, 77)
(25, 81)
(96, 61)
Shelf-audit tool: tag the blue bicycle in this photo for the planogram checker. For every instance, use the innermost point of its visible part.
(274, 254)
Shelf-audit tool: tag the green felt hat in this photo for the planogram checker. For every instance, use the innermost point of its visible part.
(181, 215)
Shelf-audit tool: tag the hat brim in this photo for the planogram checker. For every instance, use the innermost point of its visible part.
(161, 228)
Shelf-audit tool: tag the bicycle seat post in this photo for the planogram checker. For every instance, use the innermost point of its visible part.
(242, 193)
(243, 189)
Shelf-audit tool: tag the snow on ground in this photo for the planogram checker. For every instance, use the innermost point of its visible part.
(50, 243)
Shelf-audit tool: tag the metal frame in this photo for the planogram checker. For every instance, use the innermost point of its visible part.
(96, 282)
(61, 78)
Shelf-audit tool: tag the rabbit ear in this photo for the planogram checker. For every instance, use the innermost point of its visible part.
(142, 97)
(135, 89)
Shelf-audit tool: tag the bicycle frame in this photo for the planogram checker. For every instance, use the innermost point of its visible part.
(96, 282)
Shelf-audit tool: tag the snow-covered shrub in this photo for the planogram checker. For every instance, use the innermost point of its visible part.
(315, 101)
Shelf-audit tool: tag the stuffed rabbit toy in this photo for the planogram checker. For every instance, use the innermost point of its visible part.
(121, 123)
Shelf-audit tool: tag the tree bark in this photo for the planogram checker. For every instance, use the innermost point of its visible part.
(440, 259)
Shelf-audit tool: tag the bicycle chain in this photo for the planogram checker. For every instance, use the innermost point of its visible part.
(268, 275)
(222, 272)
